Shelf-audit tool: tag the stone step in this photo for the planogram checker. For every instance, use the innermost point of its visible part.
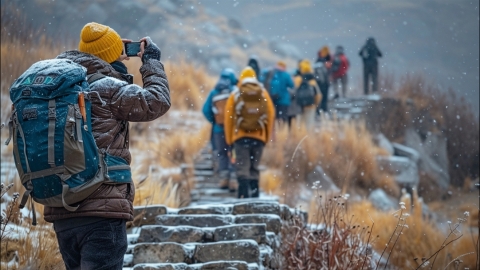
(204, 165)
(202, 173)
(189, 234)
(216, 192)
(219, 265)
(238, 250)
(273, 222)
(207, 184)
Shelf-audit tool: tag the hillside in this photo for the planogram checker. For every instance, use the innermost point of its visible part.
(182, 29)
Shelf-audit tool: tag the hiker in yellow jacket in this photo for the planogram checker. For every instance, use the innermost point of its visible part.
(248, 125)
(309, 101)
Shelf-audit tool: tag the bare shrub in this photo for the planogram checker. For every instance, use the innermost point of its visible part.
(336, 242)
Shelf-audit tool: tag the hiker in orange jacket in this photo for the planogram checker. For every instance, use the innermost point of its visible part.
(248, 125)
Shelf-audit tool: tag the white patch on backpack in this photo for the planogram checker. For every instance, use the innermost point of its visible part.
(39, 80)
(27, 92)
(29, 114)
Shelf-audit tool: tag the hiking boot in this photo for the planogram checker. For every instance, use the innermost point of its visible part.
(233, 186)
(223, 184)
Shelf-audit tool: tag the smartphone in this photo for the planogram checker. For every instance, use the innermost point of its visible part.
(132, 48)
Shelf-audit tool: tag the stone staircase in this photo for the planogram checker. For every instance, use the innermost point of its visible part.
(206, 189)
(216, 231)
(352, 107)
(238, 235)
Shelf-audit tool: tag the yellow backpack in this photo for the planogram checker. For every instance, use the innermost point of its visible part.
(250, 108)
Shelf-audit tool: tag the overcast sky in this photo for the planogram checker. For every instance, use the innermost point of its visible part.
(439, 38)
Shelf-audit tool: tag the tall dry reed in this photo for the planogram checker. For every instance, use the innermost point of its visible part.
(344, 149)
(420, 238)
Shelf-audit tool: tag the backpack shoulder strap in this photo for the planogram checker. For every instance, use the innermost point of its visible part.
(95, 77)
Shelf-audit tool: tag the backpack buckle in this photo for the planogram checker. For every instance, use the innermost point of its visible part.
(52, 114)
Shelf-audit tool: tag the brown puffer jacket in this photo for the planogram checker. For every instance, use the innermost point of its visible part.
(124, 102)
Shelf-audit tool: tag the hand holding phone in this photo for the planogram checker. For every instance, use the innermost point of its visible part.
(132, 48)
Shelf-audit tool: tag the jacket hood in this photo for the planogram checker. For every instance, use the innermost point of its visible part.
(229, 74)
(94, 64)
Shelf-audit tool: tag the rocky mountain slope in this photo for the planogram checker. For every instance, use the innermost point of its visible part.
(182, 29)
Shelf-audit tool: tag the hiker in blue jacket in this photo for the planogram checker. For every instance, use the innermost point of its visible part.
(277, 81)
(213, 110)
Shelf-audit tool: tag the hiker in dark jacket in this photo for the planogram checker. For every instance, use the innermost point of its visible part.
(322, 76)
(369, 53)
(307, 116)
(212, 110)
(94, 236)
(253, 63)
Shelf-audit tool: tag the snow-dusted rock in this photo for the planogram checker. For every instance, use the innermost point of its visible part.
(384, 143)
(148, 213)
(433, 156)
(179, 234)
(161, 252)
(273, 222)
(241, 250)
(257, 208)
(206, 209)
(326, 183)
(382, 201)
(403, 169)
(256, 232)
(194, 220)
(162, 266)
(405, 151)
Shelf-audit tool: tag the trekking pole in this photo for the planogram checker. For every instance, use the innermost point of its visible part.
(81, 104)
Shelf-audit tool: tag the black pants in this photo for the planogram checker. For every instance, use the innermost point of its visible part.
(222, 149)
(370, 71)
(248, 154)
(324, 103)
(99, 245)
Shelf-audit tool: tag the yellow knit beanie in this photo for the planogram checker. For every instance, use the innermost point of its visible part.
(305, 67)
(247, 72)
(101, 41)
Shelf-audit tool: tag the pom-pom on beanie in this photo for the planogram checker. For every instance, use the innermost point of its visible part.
(101, 41)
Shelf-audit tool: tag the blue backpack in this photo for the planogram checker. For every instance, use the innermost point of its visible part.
(55, 153)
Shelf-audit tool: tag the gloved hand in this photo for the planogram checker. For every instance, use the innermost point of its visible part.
(151, 50)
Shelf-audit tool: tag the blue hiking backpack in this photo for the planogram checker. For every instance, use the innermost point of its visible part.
(55, 152)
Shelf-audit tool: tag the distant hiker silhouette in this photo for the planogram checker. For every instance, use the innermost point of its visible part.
(339, 68)
(307, 94)
(369, 53)
(277, 82)
(253, 63)
(321, 70)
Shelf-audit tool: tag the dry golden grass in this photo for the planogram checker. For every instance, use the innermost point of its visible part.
(344, 149)
(24, 246)
(420, 240)
(270, 181)
(189, 84)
